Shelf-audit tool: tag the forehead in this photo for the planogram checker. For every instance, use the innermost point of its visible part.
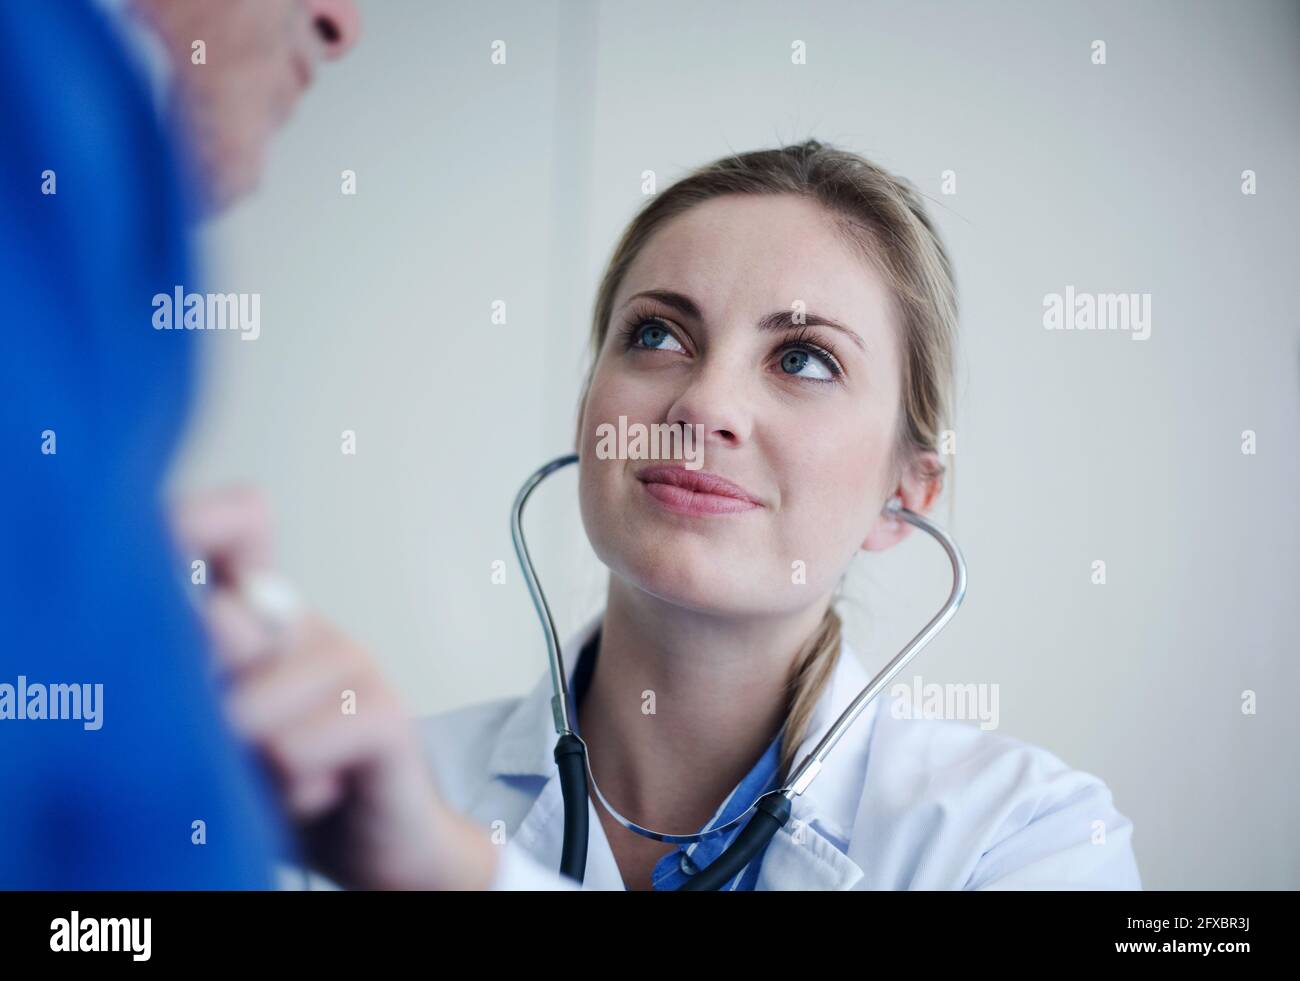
(743, 255)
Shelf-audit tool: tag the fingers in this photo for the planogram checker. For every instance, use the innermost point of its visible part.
(272, 597)
(243, 606)
(315, 756)
(229, 528)
(240, 637)
(333, 734)
(292, 707)
(313, 795)
(277, 691)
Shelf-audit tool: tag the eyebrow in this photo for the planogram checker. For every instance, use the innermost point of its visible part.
(779, 320)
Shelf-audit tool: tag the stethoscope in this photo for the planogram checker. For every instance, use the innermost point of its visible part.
(772, 810)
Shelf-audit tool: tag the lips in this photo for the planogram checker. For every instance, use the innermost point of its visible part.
(695, 491)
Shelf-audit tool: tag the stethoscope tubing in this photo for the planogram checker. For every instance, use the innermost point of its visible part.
(772, 810)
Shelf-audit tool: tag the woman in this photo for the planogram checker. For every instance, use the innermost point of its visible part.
(796, 307)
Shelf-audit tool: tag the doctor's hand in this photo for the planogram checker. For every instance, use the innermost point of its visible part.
(342, 752)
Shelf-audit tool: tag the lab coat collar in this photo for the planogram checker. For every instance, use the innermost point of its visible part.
(806, 854)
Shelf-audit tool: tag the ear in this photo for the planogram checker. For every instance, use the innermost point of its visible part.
(918, 488)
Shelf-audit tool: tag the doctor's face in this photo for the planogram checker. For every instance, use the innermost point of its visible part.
(798, 417)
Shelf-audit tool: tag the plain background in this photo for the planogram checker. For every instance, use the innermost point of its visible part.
(481, 182)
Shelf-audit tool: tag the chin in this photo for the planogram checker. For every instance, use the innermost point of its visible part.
(684, 571)
(686, 562)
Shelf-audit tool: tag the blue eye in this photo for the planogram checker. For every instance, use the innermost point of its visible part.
(800, 356)
(796, 359)
(653, 335)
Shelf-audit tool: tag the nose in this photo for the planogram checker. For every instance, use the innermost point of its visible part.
(713, 400)
(337, 25)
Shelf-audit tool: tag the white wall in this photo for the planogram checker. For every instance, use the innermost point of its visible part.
(479, 183)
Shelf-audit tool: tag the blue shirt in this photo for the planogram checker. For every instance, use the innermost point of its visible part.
(686, 859)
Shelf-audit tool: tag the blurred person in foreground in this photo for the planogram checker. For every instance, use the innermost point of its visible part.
(118, 770)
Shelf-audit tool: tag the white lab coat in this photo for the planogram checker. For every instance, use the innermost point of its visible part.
(901, 803)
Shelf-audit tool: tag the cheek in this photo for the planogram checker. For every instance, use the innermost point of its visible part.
(831, 483)
(617, 393)
(592, 505)
(597, 478)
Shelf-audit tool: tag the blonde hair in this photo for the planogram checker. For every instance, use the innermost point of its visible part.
(882, 216)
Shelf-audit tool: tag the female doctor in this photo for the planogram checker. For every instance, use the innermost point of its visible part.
(799, 306)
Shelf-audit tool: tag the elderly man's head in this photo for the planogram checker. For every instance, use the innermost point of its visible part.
(259, 56)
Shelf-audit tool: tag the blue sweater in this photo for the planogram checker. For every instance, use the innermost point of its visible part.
(159, 794)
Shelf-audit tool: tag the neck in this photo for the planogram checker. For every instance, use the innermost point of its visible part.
(719, 689)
